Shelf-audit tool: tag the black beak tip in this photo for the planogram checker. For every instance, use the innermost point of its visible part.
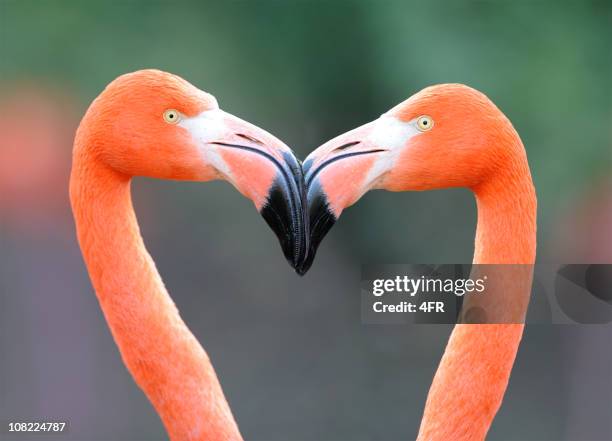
(322, 219)
(302, 268)
(300, 272)
(284, 215)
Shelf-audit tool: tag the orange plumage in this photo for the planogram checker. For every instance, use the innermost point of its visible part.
(124, 134)
(470, 144)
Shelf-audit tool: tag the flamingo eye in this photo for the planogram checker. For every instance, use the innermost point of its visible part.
(172, 116)
(425, 123)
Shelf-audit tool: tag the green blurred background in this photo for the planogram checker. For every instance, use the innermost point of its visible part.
(293, 358)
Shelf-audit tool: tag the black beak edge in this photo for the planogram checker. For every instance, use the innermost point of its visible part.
(285, 214)
(321, 220)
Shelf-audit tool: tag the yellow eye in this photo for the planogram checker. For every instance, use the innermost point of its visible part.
(172, 116)
(425, 123)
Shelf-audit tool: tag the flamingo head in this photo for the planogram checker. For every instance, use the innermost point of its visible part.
(444, 136)
(155, 124)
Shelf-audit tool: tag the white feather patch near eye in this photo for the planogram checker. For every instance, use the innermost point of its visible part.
(392, 134)
(207, 127)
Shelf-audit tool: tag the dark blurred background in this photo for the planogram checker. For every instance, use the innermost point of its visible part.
(293, 357)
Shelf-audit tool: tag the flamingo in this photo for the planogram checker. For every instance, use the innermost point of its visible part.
(447, 135)
(152, 123)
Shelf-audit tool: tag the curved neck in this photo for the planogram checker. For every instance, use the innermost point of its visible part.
(473, 374)
(163, 356)
(506, 231)
(505, 245)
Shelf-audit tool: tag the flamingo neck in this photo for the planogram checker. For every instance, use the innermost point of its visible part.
(474, 371)
(163, 356)
(506, 230)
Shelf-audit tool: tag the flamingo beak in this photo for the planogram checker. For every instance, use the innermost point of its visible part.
(263, 169)
(284, 211)
(337, 174)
